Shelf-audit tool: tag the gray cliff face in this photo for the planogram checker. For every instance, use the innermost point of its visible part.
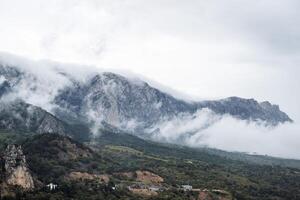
(15, 168)
(18, 115)
(115, 100)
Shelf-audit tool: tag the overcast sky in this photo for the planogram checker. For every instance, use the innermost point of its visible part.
(207, 49)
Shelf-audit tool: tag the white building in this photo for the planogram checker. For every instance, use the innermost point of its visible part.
(155, 188)
(51, 186)
(187, 187)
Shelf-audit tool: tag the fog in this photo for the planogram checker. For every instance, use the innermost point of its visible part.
(200, 49)
(234, 135)
(206, 49)
(207, 129)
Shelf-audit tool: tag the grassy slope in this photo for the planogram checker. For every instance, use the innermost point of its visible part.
(182, 165)
(185, 152)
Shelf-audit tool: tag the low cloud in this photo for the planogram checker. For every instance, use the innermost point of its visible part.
(40, 81)
(236, 135)
(183, 126)
(211, 130)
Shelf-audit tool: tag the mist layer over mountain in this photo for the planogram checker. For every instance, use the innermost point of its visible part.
(231, 134)
(84, 94)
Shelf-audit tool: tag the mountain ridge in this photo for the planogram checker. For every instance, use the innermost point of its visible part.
(115, 100)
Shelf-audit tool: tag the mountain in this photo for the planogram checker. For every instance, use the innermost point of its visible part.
(91, 137)
(121, 102)
(18, 116)
(118, 101)
(100, 100)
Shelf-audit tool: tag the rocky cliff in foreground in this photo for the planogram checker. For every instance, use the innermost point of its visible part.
(14, 171)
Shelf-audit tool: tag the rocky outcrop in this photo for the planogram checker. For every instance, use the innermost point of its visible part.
(15, 170)
(148, 177)
(141, 176)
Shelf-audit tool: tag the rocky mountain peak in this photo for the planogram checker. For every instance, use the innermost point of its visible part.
(248, 109)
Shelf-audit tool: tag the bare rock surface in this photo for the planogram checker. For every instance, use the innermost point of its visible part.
(15, 168)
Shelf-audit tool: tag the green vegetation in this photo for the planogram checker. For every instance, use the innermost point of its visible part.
(52, 157)
(180, 165)
(8, 137)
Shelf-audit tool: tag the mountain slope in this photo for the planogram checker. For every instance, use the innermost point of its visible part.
(179, 151)
(117, 101)
(52, 158)
(18, 116)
